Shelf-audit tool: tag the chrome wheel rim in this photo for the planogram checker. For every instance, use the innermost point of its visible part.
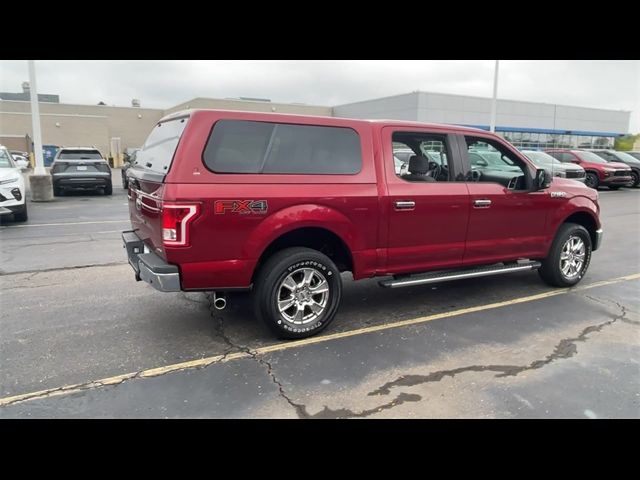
(572, 257)
(303, 296)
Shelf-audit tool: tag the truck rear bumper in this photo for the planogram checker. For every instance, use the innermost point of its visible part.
(148, 266)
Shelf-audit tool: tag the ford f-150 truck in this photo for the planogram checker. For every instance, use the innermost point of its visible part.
(283, 204)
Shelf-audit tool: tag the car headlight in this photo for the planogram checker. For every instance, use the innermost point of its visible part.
(9, 180)
(560, 174)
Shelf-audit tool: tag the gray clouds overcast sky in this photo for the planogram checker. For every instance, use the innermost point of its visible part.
(612, 84)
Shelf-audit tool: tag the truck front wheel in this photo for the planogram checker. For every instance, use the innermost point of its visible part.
(568, 258)
(297, 292)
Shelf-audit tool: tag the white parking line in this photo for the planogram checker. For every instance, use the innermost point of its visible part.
(64, 223)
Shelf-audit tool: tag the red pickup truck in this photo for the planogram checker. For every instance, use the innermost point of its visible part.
(283, 204)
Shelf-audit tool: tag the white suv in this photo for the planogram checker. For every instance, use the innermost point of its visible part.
(12, 192)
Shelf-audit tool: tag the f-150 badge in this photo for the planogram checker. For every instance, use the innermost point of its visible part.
(243, 207)
(558, 194)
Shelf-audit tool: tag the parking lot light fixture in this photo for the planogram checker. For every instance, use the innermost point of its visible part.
(40, 182)
(494, 100)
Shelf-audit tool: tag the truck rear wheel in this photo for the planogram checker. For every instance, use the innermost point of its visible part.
(297, 292)
(568, 258)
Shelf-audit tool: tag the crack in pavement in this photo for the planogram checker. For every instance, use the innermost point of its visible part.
(566, 348)
(56, 269)
(45, 244)
(20, 287)
(300, 409)
(340, 413)
(605, 301)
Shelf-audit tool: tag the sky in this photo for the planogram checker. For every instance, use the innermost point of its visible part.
(611, 84)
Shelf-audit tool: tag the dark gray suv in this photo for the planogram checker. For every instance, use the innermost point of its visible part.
(80, 168)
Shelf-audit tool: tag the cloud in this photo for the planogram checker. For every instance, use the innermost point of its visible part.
(162, 84)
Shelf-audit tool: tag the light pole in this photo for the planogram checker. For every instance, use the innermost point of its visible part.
(492, 124)
(40, 181)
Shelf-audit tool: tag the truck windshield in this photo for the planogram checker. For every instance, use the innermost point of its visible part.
(157, 152)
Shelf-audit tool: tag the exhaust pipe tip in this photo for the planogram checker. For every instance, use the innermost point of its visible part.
(219, 301)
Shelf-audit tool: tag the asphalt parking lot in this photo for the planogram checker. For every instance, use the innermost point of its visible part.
(79, 337)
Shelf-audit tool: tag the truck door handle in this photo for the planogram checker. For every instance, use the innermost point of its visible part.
(405, 205)
(484, 203)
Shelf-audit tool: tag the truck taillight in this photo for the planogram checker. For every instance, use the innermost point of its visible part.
(175, 223)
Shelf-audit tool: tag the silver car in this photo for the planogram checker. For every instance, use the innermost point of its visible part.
(556, 167)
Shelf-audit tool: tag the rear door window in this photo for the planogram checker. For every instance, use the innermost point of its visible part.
(240, 146)
(157, 152)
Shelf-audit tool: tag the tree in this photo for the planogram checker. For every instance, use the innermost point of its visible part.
(626, 143)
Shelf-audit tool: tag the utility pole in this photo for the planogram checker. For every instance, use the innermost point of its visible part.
(40, 181)
(492, 124)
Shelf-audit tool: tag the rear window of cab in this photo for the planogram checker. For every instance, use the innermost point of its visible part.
(242, 146)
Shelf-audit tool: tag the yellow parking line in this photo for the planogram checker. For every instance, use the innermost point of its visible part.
(204, 362)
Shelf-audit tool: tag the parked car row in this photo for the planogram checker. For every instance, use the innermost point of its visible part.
(603, 168)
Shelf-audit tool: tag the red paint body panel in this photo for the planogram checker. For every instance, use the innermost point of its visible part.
(444, 230)
(513, 227)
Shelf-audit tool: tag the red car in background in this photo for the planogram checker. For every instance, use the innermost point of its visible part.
(599, 172)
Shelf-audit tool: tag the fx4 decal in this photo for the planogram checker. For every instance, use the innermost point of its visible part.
(240, 206)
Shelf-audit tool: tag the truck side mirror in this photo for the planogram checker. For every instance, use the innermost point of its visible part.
(542, 180)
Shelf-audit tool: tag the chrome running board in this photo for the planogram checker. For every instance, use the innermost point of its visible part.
(437, 277)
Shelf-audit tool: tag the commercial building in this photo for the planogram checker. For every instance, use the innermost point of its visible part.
(525, 124)
(113, 129)
(25, 95)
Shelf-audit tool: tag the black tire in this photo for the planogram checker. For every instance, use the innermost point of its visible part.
(591, 180)
(614, 187)
(636, 179)
(108, 189)
(21, 215)
(550, 272)
(268, 287)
